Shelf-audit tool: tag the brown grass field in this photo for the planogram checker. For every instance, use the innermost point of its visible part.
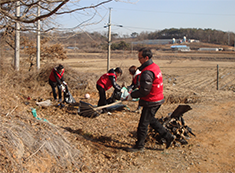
(72, 143)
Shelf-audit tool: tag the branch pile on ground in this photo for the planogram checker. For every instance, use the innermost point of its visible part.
(30, 145)
(174, 123)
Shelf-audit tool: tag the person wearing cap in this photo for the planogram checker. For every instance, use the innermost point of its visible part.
(151, 97)
(56, 79)
(105, 82)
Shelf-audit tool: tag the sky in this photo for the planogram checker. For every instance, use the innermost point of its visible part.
(150, 16)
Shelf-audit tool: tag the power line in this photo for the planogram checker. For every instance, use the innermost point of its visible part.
(149, 11)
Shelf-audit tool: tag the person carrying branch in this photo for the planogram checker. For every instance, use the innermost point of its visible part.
(151, 97)
(56, 79)
(105, 82)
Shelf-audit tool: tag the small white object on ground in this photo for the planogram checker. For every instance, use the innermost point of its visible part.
(87, 96)
(44, 103)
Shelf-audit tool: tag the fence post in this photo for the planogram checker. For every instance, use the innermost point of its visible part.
(217, 77)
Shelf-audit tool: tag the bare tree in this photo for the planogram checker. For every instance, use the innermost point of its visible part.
(28, 13)
(48, 9)
(28, 16)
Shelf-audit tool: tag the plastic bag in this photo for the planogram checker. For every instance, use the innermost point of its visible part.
(45, 103)
(126, 93)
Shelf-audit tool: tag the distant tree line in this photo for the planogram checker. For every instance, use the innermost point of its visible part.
(86, 40)
(204, 35)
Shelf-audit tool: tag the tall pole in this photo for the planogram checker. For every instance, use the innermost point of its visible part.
(17, 39)
(109, 40)
(234, 41)
(217, 84)
(38, 40)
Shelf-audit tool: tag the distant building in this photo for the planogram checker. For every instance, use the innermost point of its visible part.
(163, 41)
(156, 41)
(208, 49)
(180, 47)
(73, 48)
(193, 40)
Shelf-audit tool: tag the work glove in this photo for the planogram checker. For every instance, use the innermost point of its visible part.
(64, 83)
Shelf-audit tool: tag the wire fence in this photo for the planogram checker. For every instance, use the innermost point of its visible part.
(200, 78)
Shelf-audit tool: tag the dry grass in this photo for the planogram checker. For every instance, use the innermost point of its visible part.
(71, 143)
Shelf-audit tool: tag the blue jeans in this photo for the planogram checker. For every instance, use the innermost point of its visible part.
(54, 92)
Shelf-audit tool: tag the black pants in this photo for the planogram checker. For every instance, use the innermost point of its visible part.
(148, 118)
(53, 86)
(102, 94)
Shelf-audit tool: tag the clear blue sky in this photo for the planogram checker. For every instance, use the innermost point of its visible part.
(152, 15)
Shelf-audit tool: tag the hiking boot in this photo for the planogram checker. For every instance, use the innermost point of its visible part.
(169, 139)
(135, 149)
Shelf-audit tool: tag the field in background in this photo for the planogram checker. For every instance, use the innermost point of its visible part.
(186, 70)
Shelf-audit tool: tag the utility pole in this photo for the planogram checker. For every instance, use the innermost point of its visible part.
(38, 40)
(234, 41)
(109, 39)
(17, 39)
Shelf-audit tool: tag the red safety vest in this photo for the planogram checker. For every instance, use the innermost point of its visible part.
(104, 81)
(156, 93)
(52, 77)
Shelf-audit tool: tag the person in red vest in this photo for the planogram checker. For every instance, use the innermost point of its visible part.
(56, 79)
(135, 72)
(135, 78)
(151, 97)
(105, 82)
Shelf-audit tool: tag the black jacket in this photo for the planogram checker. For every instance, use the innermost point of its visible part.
(146, 81)
(113, 80)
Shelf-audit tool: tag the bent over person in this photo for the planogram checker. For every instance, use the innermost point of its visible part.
(135, 72)
(105, 82)
(56, 79)
(151, 97)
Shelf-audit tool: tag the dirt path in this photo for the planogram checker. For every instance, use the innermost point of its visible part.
(215, 136)
(212, 150)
